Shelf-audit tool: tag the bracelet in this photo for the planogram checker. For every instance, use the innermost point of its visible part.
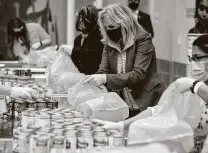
(41, 44)
(193, 85)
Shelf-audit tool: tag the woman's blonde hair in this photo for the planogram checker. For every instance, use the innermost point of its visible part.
(118, 14)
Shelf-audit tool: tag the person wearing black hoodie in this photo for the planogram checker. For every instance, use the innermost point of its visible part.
(88, 48)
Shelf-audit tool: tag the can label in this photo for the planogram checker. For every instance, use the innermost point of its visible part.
(100, 142)
(85, 143)
(71, 143)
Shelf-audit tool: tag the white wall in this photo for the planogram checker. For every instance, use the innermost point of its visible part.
(163, 14)
(59, 9)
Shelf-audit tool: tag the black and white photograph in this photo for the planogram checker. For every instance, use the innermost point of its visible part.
(97, 76)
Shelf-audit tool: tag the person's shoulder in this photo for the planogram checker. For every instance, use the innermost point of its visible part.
(191, 30)
(144, 15)
(142, 33)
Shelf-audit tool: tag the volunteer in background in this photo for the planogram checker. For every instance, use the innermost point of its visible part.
(16, 92)
(199, 59)
(143, 18)
(182, 85)
(87, 49)
(128, 62)
(24, 37)
(201, 17)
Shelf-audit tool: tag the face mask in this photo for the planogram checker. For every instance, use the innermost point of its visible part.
(114, 34)
(133, 6)
(199, 71)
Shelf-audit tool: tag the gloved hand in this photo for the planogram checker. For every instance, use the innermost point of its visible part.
(66, 49)
(36, 46)
(110, 125)
(183, 84)
(23, 92)
(95, 79)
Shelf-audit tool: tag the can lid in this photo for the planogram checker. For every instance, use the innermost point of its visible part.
(99, 129)
(118, 134)
(30, 101)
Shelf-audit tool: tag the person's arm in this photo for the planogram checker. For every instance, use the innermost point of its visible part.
(143, 114)
(104, 66)
(124, 124)
(45, 39)
(144, 55)
(202, 91)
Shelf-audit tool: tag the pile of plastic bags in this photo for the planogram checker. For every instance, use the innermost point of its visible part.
(41, 58)
(172, 123)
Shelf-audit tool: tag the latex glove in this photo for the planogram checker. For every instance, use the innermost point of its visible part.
(66, 48)
(183, 84)
(110, 125)
(36, 46)
(96, 79)
(23, 92)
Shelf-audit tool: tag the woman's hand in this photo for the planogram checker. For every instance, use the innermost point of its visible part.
(183, 84)
(66, 48)
(23, 92)
(36, 46)
(110, 125)
(95, 79)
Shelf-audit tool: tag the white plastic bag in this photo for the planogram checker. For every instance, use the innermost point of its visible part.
(205, 148)
(66, 80)
(80, 93)
(175, 118)
(108, 106)
(61, 64)
(41, 58)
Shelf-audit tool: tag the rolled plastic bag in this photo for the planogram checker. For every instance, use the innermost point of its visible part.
(41, 58)
(173, 121)
(80, 93)
(108, 106)
(65, 81)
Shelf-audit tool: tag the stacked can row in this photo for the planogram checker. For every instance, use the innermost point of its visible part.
(64, 130)
(13, 80)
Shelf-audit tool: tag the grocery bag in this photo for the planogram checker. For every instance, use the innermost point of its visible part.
(41, 58)
(66, 80)
(61, 64)
(108, 106)
(175, 118)
(80, 93)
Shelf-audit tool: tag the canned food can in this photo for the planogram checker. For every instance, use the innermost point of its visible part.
(71, 141)
(58, 142)
(100, 139)
(41, 144)
(85, 141)
(118, 139)
(43, 119)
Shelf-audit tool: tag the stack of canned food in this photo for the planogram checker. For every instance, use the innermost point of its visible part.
(49, 130)
(13, 80)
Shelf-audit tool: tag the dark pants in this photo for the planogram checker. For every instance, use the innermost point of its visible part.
(133, 113)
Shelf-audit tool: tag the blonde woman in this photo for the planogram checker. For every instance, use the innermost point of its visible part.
(128, 63)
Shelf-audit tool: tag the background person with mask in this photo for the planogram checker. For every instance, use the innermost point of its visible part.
(201, 17)
(24, 37)
(199, 59)
(128, 63)
(143, 18)
(87, 50)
